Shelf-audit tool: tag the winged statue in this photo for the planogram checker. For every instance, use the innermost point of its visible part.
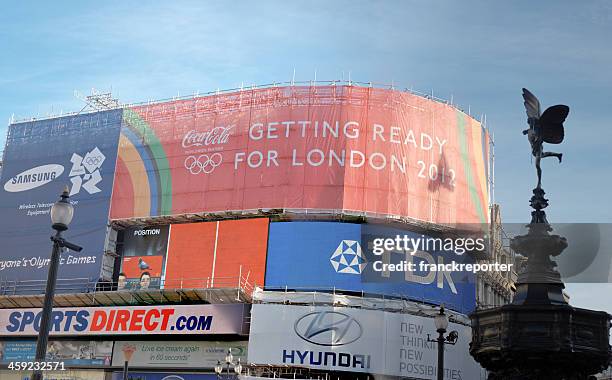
(544, 127)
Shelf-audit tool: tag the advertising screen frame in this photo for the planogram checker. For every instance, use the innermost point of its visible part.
(316, 246)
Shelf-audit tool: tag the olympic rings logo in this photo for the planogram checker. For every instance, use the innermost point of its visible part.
(93, 160)
(203, 164)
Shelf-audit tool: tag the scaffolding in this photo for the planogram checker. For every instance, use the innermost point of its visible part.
(97, 101)
(103, 101)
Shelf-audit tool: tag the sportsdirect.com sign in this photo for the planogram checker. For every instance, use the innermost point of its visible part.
(134, 320)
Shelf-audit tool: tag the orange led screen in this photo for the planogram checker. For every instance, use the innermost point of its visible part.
(217, 254)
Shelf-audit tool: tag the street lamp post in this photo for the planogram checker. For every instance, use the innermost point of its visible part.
(128, 351)
(61, 216)
(229, 361)
(441, 322)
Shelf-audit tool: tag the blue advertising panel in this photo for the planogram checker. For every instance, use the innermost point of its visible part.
(71, 353)
(41, 158)
(331, 255)
(17, 351)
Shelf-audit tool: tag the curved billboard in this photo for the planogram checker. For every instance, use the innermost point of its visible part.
(340, 148)
(343, 258)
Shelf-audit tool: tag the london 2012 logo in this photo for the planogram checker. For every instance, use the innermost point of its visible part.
(206, 146)
(328, 328)
(85, 172)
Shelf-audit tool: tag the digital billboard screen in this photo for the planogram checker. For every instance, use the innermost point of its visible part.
(144, 254)
(178, 354)
(217, 254)
(334, 255)
(70, 352)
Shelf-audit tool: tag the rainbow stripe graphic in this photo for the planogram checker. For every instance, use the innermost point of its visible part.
(143, 155)
(473, 142)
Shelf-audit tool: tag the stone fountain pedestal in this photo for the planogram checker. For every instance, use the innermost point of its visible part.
(540, 336)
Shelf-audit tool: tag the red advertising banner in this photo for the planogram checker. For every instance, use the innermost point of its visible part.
(342, 148)
(217, 254)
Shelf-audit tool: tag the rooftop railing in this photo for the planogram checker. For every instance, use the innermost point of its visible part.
(85, 285)
(312, 83)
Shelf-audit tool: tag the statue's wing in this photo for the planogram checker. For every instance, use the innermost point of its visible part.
(551, 122)
(532, 105)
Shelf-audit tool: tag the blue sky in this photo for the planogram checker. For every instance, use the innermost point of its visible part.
(480, 52)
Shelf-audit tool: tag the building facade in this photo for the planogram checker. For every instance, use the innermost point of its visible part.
(496, 288)
(250, 221)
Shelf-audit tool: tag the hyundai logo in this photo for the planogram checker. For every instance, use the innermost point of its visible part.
(328, 328)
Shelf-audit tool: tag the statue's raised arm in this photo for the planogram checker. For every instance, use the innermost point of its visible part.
(544, 127)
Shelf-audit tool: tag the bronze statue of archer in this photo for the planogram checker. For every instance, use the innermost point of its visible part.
(543, 128)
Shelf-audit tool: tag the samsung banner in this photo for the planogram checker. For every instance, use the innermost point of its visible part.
(178, 354)
(41, 158)
(358, 340)
(341, 254)
(129, 320)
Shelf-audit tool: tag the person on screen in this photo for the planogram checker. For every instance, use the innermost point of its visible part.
(53, 349)
(122, 281)
(145, 280)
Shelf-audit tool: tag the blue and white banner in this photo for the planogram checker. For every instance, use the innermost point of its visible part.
(41, 158)
(356, 340)
(331, 255)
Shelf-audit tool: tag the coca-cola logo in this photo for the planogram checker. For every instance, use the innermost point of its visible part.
(216, 136)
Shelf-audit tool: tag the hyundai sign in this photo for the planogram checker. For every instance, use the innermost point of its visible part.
(341, 256)
(356, 340)
(41, 158)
